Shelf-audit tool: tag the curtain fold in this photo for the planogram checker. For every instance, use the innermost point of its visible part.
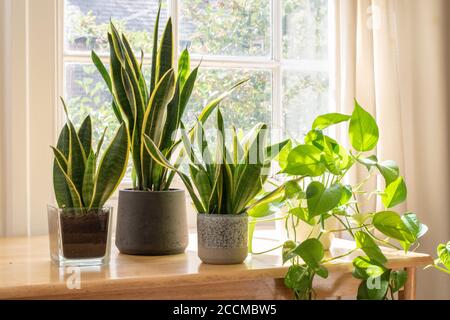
(392, 56)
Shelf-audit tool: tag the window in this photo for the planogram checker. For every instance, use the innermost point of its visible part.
(281, 45)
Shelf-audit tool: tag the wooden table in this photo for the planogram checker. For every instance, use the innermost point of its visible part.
(27, 273)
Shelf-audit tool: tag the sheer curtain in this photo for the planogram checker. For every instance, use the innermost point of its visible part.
(392, 55)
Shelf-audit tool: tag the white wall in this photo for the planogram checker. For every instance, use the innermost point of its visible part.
(29, 113)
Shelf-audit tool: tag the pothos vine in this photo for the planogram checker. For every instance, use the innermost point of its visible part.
(314, 189)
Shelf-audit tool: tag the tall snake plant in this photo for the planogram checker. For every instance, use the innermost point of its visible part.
(78, 180)
(154, 109)
(229, 183)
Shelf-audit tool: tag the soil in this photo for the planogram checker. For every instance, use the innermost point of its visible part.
(85, 235)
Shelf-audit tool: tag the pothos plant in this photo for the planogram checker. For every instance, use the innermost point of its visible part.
(316, 189)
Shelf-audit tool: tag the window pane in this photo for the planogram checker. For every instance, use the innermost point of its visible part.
(305, 96)
(246, 106)
(86, 93)
(86, 22)
(305, 29)
(226, 27)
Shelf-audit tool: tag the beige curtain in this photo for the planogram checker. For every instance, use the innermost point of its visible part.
(392, 55)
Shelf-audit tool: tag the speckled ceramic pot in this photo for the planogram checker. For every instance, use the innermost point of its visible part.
(222, 238)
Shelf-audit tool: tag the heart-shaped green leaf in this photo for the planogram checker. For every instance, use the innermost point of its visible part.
(374, 288)
(304, 160)
(398, 280)
(443, 252)
(311, 251)
(365, 268)
(326, 120)
(390, 224)
(298, 278)
(363, 130)
(389, 170)
(395, 193)
(288, 250)
(321, 200)
(415, 227)
(368, 245)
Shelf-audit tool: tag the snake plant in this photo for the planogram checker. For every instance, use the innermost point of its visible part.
(78, 180)
(229, 183)
(154, 109)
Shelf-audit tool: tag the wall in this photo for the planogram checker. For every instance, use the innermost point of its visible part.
(29, 113)
(2, 102)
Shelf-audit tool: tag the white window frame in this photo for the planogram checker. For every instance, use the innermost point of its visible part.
(274, 63)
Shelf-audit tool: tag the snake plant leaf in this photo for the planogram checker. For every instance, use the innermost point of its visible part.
(100, 143)
(101, 69)
(154, 115)
(89, 179)
(363, 130)
(365, 242)
(76, 159)
(111, 169)
(153, 122)
(161, 160)
(155, 51)
(184, 67)
(177, 107)
(209, 108)
(107, 78)
(238, 151)
(63, 144)
(118, 90)
(85, 135)
(136, 68)
(324, 121)
(76, 201)
(62, 192)
(186, 92)
(202, 184)
(247, 186)
(165, 52)
(136, 134)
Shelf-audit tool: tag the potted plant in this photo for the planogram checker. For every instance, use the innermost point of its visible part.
(223, 189)
(151, 216)
(80, 226)
(315, 191)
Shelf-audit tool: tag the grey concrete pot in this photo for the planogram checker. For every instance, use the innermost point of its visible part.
(151, 222)
(222, 238)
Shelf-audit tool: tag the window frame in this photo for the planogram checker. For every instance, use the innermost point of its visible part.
(275, 63)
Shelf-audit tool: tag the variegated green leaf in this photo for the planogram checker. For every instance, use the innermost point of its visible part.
(89, 179)
(111, 168)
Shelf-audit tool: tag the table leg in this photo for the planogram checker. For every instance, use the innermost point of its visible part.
(409, 291)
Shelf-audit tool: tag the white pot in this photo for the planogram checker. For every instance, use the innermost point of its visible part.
(303, 230)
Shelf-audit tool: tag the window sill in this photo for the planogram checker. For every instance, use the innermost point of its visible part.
(180, 276)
